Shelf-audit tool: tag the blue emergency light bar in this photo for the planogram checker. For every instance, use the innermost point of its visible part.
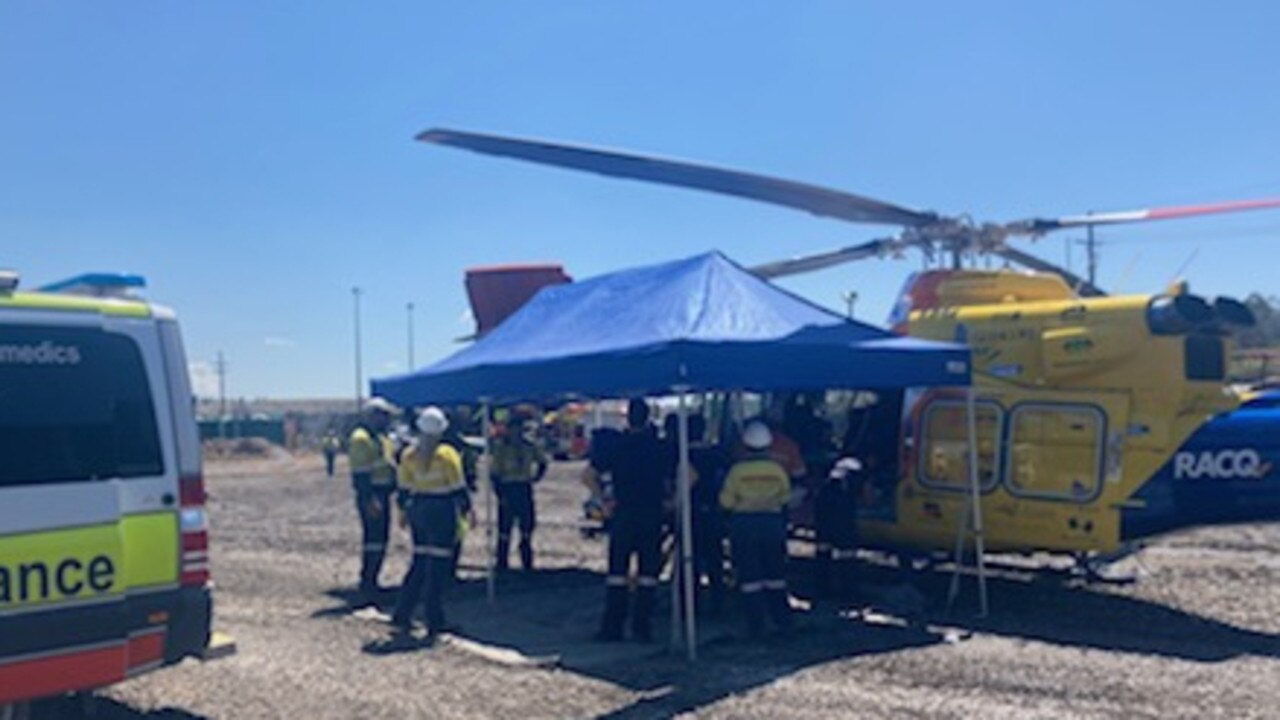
(98, 285)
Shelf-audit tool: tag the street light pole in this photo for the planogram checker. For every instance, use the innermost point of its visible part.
(355, 297)
(409, 309)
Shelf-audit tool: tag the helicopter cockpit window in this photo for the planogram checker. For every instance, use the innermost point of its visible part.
(1056, 451)
(944, 447)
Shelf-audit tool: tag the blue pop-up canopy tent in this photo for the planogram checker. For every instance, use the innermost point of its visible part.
(702, 323)
(699, 324)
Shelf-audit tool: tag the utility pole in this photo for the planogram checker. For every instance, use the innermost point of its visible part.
(1091, 246)
(221, 367)
(355, 297)
(409, 309)
(850, 299)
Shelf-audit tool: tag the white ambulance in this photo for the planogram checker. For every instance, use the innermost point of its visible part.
(103, 543)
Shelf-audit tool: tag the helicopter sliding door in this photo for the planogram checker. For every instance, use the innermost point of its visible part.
(1056, 451)
(1061, 470)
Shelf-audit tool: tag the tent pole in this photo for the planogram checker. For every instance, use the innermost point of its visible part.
(486, 487)
(979, 544)
(688, 579)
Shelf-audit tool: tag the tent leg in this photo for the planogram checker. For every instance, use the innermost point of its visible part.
(486, 487)
(971, 517)
(975, 489)
(688, 580)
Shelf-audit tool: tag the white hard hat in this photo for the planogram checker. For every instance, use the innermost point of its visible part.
(432, 421)
(756, 436)
(846, 467)
(378, 404)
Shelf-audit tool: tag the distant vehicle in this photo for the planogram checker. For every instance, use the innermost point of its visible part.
(1083, 399)
(104, 569)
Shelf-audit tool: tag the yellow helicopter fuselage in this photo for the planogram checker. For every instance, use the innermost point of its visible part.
(1079, 403)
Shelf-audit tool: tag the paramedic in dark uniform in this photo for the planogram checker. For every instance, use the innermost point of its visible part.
(642, 470)
(709, 462)
(836, 524)
(370, 452)
(755, 494)
(518, 463)
(433, 495)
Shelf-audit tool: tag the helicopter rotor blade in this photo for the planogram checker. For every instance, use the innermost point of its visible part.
(820, 261)
(1025, 259)
(1038, 226)
(818, 200)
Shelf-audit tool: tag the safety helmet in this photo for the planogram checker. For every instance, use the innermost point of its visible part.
(382, 405)
(432, 421)
(757, 436)
(845, 467)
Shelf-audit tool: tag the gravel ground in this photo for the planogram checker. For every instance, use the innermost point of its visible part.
(1199, 635)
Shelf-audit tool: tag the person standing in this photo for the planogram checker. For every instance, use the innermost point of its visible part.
(434, 498)
(641, 469)
(755, 494)
(836, 525)
(518, 463)
(370, 452)
(709, 463)
(330, 444)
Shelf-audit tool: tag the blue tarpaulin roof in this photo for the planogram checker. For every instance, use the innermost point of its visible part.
(702, 323)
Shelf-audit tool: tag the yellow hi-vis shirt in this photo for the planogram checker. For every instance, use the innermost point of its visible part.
(372, 454)
(755, 485)
(517, 460)
(439, 474)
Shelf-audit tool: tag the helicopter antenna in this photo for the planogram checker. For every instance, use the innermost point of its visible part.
(1128, 271)
(1182, 269)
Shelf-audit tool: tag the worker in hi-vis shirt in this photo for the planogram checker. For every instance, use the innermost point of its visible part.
(371, 453)
(755, 494)
(433, 494)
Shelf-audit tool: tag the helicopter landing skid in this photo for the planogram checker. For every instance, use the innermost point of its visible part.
(1097, 569)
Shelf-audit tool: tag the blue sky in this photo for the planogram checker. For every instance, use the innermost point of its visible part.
(255, 161)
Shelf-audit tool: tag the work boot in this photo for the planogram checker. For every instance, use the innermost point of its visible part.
(642, 614)
(526, 554)
(504, 551)
(615, 614)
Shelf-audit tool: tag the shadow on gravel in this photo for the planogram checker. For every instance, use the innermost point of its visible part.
(1103, 619)
(102, 708)
(547, 618)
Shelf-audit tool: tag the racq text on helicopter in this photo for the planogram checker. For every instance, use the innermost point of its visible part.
(1101, 419)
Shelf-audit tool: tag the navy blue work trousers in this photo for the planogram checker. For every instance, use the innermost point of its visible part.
(636, 535)
(759, 544)
(373, 503)
(515, 509)
(434, 524)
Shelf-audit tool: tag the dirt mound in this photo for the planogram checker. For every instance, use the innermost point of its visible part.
(241, 448)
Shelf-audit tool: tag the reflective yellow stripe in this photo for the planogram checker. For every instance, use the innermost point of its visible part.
(150, 549)
(54, 301)
(44, 568)
(88, 563)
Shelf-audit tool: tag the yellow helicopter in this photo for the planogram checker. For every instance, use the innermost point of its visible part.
(1083, 400)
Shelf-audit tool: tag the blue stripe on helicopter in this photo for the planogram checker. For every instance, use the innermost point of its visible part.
(1227, 472)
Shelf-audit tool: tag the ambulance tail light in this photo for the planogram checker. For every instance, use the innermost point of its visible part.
(195, 532)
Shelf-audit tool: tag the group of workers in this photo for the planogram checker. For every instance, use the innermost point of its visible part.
(741, 492)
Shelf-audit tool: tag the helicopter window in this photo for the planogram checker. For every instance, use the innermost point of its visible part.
(1055, 451)
(944, 450)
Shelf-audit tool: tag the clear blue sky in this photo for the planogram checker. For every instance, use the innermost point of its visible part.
(254, 160)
